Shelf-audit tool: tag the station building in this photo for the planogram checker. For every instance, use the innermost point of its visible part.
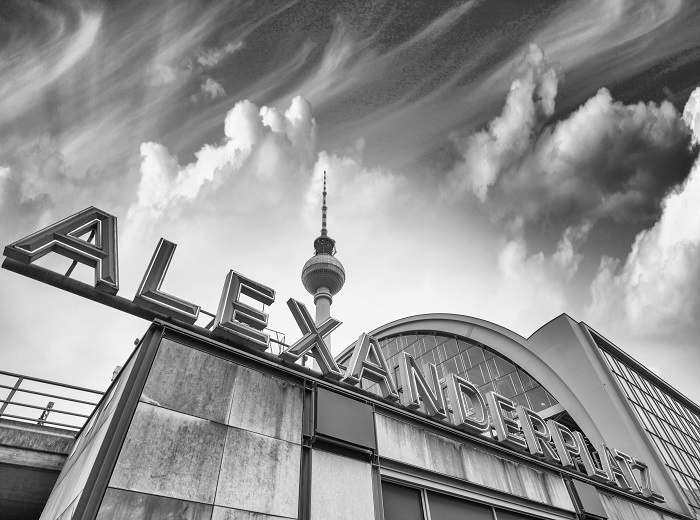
(432, 417)
(198, 428)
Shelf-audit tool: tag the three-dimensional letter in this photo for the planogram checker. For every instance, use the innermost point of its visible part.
(507, 429)
(149, 294)
(468, 405)
(65, 238)
(416, 384)
(238, 320)
(368, 362)
(312, 342)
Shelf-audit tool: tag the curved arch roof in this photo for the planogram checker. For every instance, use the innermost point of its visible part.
(505, 342)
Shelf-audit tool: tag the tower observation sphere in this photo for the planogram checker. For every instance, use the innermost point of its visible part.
(323, 275)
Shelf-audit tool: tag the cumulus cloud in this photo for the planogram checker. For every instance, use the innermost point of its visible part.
(606, 160)
(360, 193)
(36, 184)
(487, 154)
(258, 142)
(656, 289)
(542, 278)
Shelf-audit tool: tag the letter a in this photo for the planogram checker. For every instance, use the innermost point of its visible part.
(65, 238)
(368, 362)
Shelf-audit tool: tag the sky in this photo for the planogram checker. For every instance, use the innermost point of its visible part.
(501, 159)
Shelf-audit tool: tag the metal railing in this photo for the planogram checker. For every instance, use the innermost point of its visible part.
(26, 400)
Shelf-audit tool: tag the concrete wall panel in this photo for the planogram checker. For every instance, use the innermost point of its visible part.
(259, 474)
(533, 484)
(333, 477)
(119, 504)
(190, 381)
(171, 454)
(444, 456)
(410, 444)
(619, 509)
(226, 513)
(557, 491)
(400, 441)
(267, 405)
(485, 469)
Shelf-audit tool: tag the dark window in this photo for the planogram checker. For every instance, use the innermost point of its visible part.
(502, 514)
(444, 507)
(401, 502)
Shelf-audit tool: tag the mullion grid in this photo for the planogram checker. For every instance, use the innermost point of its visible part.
(419, 345)
(672, 427)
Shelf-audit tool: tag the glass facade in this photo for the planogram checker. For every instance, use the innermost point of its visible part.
(673, 427)
(410, 503)
(478, 364)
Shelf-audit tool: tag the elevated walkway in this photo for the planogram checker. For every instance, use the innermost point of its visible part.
(31, 458)
(36, 438)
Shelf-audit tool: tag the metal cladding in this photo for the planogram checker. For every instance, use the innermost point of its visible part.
(323, 269)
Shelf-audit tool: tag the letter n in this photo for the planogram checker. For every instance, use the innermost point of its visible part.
(416, 385)
(66, 239)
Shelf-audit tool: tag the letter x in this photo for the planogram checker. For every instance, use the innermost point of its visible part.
(312, 342)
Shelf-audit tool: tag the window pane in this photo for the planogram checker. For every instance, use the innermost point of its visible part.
(467, 362)
(504, 386)
(504, 367)
(451, 347)
(502, 514)
(528, 383)
(475, 376)
(491, 364)
(517, 383)
(476, 356)
(401, 502)
(522, 400)
(428, 358)
(538, 399)
(463, 345)
(444, 507)
(451, 366)
(392, 348)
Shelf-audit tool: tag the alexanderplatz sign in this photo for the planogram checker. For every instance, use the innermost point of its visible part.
(516, 426)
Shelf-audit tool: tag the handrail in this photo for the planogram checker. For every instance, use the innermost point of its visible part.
(47, 395)
(71, 408)
(54, 383)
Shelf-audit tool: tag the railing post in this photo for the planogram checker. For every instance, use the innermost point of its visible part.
(11, 395)
(45, 413)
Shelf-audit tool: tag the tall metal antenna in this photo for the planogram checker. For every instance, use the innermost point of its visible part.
(324, 231)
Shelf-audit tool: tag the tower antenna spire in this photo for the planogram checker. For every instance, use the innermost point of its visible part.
(324, 208)
(323, 275)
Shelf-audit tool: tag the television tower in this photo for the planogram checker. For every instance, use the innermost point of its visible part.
(323, 275)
